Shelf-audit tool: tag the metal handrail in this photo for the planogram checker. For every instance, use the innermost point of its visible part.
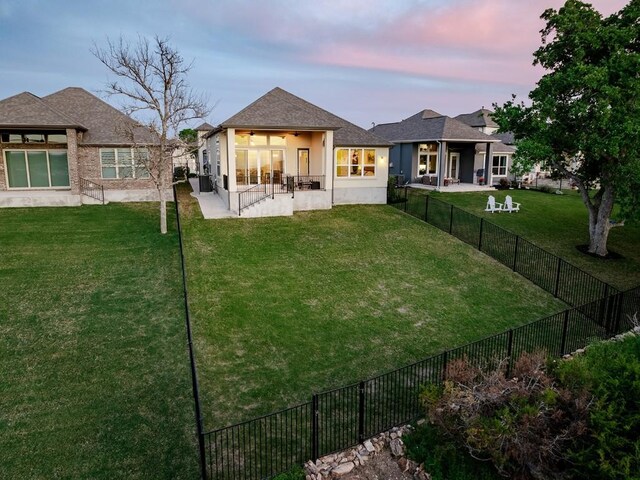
(252, 195)
(92, 189)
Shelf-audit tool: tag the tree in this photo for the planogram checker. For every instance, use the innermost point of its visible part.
(190, 138)
(584, 119)
(153, 81)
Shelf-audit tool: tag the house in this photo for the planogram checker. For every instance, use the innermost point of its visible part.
(283, 154)
(437, 150)
(66, 148)
(502, 154)
(203, 156)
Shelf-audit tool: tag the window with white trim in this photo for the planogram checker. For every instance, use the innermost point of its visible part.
(427, 158)
(355, 162)
(124, 163)
(499, 166)
(36, 168)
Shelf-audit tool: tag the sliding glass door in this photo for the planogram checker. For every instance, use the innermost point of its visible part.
(37, 168)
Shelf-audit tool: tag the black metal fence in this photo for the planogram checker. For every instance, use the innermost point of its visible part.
(337, 419)
(550, 272)
(92, 189)
(340, 418)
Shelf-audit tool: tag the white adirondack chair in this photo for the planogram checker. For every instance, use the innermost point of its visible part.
(492, 205)
(510, 205)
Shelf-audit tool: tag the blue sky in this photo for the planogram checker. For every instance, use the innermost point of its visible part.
(365, 60)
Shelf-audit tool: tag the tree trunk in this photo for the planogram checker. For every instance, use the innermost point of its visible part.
(599, 223)
(163, 212)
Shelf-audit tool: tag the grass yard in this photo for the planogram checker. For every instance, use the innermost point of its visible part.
(94, 376)
(283, 307)
(559, 223)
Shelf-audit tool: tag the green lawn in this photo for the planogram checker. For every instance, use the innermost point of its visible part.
(559, 223)
(94, 377)
(283, 307)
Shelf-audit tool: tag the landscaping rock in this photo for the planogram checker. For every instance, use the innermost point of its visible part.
(369, 446)
(342, 469)
(397, 447)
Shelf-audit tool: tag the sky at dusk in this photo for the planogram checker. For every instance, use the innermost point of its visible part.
(364, 60)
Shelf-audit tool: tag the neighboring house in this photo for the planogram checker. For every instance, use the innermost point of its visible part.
(203, 155)
(282, 154)
(438, 150)
(58, 149)
(502, 154)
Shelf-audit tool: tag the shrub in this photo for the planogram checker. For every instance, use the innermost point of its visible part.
(523, 424)
(611, 372)
(296, 473)
(442, 459)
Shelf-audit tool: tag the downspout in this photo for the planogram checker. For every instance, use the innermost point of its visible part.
(333, 170)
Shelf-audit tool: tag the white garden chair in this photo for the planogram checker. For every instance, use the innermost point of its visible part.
(492, 205)
(510, 205)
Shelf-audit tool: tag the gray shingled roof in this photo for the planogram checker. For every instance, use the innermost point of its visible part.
(279, 109)
(498, 148)
(428, 125)
(27, 110)
(479, 118)
(204, 127)
(105, 124)
(506, 137)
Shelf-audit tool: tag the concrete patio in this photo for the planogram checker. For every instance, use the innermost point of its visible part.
(460, 187)
(211, 205)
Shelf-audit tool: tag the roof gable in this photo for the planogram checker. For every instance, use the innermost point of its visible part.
(27, 110)
(479, 118)
(428, 125)
(105, 124)
(279, 109)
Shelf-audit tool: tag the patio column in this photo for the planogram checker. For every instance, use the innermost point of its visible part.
(231, 159)
(488, 180)
(442, 161)
(73, 161)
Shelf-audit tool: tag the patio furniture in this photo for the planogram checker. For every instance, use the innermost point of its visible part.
(510, 205)
(492, 205)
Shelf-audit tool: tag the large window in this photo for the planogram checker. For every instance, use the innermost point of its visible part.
(427, 158)
(121, 163)
(355, 162)
(499, 166)
(37, 168)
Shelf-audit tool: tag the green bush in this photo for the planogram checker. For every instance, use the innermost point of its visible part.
(610, 371)
(296, 473)
(442, 459)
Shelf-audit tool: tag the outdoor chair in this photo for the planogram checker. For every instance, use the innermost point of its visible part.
(492, 205)
(510, 205)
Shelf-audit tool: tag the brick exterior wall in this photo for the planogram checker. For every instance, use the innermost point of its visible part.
(91, 169)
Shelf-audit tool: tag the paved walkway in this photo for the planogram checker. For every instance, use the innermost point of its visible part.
(211, 205)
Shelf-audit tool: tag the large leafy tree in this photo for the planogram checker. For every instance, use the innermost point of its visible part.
(583, 121)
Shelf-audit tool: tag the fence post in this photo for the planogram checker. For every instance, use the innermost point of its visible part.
(565, 327)
(406, 198)
(426, 209)
(314, 427)
(618, 313)
(445, 356)
(509, 352)
(515, 253)
(555, 293)
(604, 301)
(451, 220)
(361, 412)
(480, 236)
